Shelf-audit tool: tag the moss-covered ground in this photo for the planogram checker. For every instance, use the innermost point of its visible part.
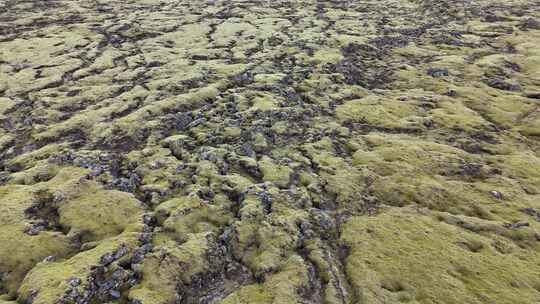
(272, 152)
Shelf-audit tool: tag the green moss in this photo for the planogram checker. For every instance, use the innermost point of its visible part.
(226, 31)
(269, 78)
(171, 265)
(341, 179)
(281, 287)
(232, 132)
(392, 154)
(100, 214)
(32, 158)
(48, 281)
(414, 257)
(327, 264)
(249, 294)
(5, 105)
(455, 115)
(327, 56)
(379, 112)
(524, 167)
(84, 212)
(20, 252)
(275, 173)
(191, 215)
(264, 103)
(39, 173)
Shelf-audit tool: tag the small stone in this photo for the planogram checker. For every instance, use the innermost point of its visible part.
(529, 23)
(247, 150)
(532, 212)
(533, 95)
(260, 143)
(451, 93)
(437, 72)
(33, 229)
(195, 123)
(496, 194)
(502, 84)
(107, 259)
(516, 225)
(50, 258)
(74, 282)
(149, 219)
(115, 294)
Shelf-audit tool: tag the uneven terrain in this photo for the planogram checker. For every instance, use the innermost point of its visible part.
(249, 151)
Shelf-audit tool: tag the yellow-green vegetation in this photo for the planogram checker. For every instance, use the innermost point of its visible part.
(50, 228)
(233, 151)
(406, 255)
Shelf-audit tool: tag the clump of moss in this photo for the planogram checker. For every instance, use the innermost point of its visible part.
(275, 173)
(49, 281)
(50, 220)
(282, 287)
(413, 257)
(379, 112)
